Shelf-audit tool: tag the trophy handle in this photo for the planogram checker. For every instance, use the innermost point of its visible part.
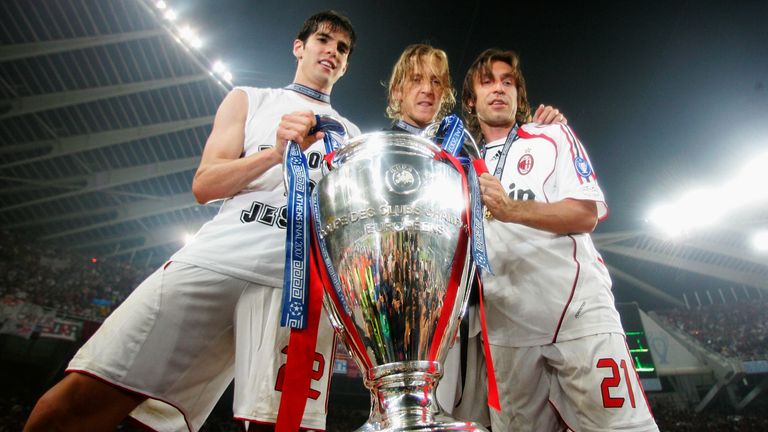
(470, 147)
(336, 137)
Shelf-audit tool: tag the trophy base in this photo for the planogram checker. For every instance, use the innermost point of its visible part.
(403, 399)
(437, 426)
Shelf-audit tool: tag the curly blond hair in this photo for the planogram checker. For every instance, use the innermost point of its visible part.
(416, 57)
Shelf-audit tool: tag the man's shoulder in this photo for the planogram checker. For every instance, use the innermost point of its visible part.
(557, 132)
(260, 91)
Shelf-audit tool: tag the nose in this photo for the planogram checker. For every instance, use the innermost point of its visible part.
(498, 87)
(426, 86)
(332, 49)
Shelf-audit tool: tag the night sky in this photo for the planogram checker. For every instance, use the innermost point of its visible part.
(664, 95)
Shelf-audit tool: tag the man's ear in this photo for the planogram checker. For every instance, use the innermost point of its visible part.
(298, 48)
(343, 71)
(397, 94)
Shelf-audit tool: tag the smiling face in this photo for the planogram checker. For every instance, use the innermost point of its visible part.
(496, 95)
(322, 59)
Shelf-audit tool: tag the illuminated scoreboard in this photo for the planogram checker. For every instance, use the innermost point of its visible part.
(638, 346)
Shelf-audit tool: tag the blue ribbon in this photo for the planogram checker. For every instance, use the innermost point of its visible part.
(294, 311)
(479, 253)
(452, 130)
(309, 92)
(295, 276)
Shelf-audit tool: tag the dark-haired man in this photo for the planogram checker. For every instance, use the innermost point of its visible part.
(167, 354)
(556, 339)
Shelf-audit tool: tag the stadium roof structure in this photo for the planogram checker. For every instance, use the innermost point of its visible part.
(104, 111)
(710, 266)
(105, 108)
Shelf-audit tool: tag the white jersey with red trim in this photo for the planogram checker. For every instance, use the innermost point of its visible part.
(256, 253)
(547, 287)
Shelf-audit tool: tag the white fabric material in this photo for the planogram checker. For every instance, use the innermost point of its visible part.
(562, 386)
(246, 239)
(473, 404)
(547, 287)
(261, 354)
(172, 340)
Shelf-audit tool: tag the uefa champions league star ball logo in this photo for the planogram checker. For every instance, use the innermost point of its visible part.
(295, 308)
(402, 179)
(582, 166)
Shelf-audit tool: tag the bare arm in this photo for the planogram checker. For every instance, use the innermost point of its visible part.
(562, 217)
(222, 172)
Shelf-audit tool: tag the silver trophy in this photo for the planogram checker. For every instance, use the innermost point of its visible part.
(388, 218)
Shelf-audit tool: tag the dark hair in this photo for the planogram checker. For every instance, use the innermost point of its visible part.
(481, 67)
(335, 22)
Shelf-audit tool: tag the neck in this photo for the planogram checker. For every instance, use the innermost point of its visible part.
(493, 133)
(414, 123)
(298, 79)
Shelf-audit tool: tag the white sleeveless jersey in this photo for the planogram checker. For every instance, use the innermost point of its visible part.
(548, 287)
(246, 239)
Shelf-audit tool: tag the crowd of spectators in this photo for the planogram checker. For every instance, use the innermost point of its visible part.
(738, 329)
(669, 419)
(75, 286)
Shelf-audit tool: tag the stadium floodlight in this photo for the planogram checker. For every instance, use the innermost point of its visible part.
(196, 42)
(760, 241)
(753, 178)
(161, 5)
(188, 238)
(219, 66)
(189, 35)
(186, 32)
(170, 15)
(227, 76)
(705, 207)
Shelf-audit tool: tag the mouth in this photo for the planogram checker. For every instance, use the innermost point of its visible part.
(425, 104)
(498, 103)
(328, 64)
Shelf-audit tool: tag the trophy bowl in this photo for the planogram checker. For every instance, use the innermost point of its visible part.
(389, 220)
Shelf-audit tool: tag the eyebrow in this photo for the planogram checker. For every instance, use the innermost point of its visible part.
(342, 44)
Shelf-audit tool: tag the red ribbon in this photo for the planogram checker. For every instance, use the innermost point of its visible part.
(480, 166)
(493, 391)
(301, 358)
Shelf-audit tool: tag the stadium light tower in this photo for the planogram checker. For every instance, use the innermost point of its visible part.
(705, 207)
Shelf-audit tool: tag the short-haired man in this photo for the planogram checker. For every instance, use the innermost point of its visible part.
(167, 354)
(557, 343)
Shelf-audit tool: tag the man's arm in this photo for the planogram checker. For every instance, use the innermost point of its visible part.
(222, 172)
(568, 216)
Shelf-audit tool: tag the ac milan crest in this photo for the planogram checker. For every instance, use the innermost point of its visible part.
(525, 164)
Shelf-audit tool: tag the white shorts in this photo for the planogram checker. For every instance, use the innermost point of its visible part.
(585, 384)
(472, 405)
(173, 340)
(260, 359)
